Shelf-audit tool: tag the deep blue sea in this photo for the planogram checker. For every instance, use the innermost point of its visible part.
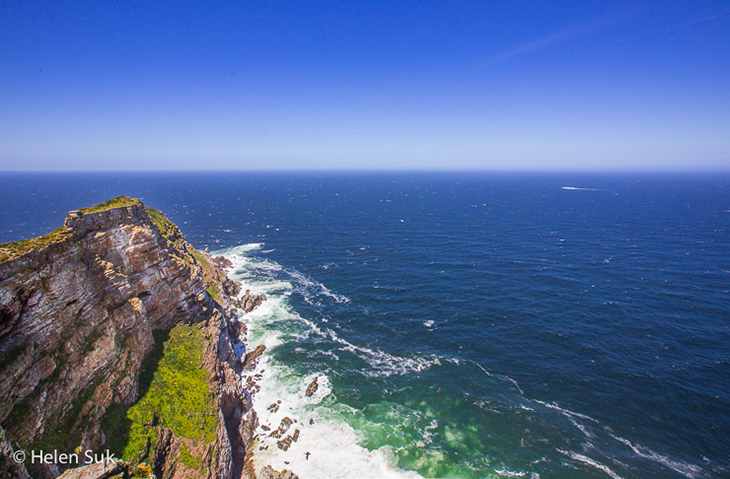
(464, 325)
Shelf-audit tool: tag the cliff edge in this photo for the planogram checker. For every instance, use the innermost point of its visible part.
(117, 334)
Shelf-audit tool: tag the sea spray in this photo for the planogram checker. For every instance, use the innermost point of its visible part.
(326, 445)
(378, 414)
(392, 423)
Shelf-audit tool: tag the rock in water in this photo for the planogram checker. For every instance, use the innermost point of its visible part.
(284, 425)
(252, 358)
(312, 388)
(268, 473)
(224, 262)
(248, 302)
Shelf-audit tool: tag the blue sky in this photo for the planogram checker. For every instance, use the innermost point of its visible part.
(364, 85)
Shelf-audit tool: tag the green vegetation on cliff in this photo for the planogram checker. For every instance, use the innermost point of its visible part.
(167, 228)
(19, 248)
(176, 397)
(211, 276)
(118, 202)
(174, 403)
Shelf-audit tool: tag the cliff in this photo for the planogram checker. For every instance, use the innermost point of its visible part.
(115, 333)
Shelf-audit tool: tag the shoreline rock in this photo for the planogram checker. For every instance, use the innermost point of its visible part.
(312, 388)
(250, 301)
(79, 316)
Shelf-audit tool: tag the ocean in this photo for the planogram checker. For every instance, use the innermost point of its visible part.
(465, 325)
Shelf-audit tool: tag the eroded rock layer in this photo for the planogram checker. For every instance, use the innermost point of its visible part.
(78, 316)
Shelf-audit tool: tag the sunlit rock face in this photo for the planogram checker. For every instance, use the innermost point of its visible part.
(76, 322)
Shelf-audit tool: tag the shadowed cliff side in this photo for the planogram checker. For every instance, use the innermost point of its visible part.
(81, 309)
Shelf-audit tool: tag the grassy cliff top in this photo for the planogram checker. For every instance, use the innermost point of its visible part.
(14, 249)
(118, 202)
(167, 228)
(18, 248)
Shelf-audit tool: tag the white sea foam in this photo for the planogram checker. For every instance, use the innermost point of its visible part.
(582, 428)
(332, 443)
(588, 461)
(565, 411)
(508, 473)
(384, 364)
(501, 376)
(245, 267)
(509, 379)
(244, 248)
(481, 367)
(688, 470)
(691, 471)
(427, 434)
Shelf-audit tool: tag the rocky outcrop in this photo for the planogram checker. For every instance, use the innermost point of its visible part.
(268, 473)
(78, 318)
(250, 301)
(312, 388)
(9, 465)
(99, 470)
(251, 358)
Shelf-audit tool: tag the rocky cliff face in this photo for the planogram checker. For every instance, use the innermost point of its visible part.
(78, 318)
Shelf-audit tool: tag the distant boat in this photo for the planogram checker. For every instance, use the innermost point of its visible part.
(576, 188)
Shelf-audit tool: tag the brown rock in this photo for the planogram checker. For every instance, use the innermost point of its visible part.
(231, 287)
(100, 470)
(223, 262)
(312, 388)
(284, 425)
(248, 302)
(252, 358)
(76, 322)
(267, 472)
(237, 329)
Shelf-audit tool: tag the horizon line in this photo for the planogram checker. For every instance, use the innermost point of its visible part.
(382, 170)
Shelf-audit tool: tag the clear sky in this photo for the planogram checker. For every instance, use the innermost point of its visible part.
(577, 85)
